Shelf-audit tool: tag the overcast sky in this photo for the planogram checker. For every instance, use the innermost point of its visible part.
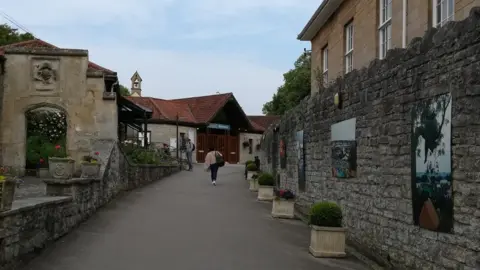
(181, 48)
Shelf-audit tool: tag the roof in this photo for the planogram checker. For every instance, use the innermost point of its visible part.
(262, 122)
(319, 18)
(136, 76)
(38, 43)
(195, 110)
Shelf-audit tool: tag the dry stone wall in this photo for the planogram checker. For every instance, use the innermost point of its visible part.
(377, 202)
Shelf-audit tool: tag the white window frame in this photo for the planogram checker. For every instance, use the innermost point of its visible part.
(445, 15)
(325, 66)
(140, 137)
(349, 37)
(385, 27)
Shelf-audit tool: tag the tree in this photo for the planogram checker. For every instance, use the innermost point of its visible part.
(9, 35)
(124, 91)
(295, 88)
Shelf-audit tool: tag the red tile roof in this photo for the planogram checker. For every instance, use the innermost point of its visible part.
(38, 43)
(262, 122)
(196, 110)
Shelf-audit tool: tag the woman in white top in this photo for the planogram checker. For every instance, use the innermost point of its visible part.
(211, 163)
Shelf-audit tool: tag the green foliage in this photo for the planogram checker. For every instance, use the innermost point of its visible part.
(252, 167)
(150, 156)
(296, 87)
(249, 162)
(124, 91)
(10, 35)
(266, 179)
(326, 214)
(39, 147)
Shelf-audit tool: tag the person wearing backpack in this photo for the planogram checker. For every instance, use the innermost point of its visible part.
(213, 161)
(189, 148)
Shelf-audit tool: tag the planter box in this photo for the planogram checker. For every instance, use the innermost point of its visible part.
(250, 175)
(265, 193)
(61, 168)
(253, 184)
(7, 193)
(43, 173)
(90, 170)
(327, 242)
(283, 208)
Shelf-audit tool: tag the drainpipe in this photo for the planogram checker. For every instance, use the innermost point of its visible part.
(404, 22)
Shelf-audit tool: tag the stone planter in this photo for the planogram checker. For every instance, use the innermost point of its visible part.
(265, 193)
(7, 194)
(250, 175)
(253, 184)
(43, 173)
(61, 168)
(327, 242)
(90, 170)
(282, 208)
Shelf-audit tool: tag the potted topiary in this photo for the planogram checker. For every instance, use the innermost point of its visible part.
(91, 166)
(327, 238)
(59, 165)
(252, 168)
(265, 187)
(248, 174)
(283, 204)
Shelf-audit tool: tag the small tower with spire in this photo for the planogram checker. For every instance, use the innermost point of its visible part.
(136, 89)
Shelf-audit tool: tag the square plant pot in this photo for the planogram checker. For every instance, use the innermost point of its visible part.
(253, 184)
(43, 173)
(327, 242)
(250, 175)
(61, 168)
(265, 193)
(90, 170)
(282, 208)
(7, 194)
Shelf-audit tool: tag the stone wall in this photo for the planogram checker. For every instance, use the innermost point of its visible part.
(245, 154)
(33, 223)
(377, 203)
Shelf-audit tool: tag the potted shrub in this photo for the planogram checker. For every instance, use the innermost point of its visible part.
(248, 174)
(91, 166)
(42, 170)
(60, 166)
(8, 182)
(252, 170)
(283, 204)
(265, 187)
(327, 238)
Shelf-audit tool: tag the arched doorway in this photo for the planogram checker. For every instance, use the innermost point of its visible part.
(46, 128)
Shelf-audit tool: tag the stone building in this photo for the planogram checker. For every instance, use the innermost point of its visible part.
(207, 120)
(36, 75)
(348, 34)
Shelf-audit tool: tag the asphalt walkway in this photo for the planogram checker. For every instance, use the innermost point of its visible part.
(184, 223)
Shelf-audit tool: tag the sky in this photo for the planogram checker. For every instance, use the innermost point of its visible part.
(181, 48)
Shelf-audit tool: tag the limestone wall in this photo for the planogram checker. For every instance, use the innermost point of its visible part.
(245, 153)
(69, 88)
(378, 201)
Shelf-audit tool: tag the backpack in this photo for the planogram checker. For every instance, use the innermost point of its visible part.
(219, 159)
(193, 147)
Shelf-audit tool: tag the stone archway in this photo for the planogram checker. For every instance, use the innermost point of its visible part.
(46, 127)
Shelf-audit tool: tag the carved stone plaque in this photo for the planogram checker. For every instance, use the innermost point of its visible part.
(45, 74)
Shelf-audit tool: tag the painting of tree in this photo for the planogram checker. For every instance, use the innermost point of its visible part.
(431, 164)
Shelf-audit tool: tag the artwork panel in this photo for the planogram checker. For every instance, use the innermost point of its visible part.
(344, 159)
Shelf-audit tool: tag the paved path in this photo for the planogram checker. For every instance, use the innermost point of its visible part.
(184, 223)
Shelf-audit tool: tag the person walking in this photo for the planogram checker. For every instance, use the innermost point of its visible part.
(189, 148)
(213, 161)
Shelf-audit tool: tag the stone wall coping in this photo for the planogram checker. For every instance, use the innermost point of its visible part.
(72, 181)
(170, 165)
(46, 51)
(328, 229)
(92, 73)
(68, 159)
(27, 204)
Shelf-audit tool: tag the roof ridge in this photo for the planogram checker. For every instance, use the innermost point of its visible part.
(229, 93)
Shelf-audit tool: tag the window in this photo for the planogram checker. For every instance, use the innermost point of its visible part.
(443, 11)
(183, 142)
(349, 47)
(385, 29)
(325, 66)
(140, 138)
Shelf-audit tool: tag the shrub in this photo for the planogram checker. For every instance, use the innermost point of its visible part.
(249, 162)
(266, 179)
(326, 214)
(252, 167)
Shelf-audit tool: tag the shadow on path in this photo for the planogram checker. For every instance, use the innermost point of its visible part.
(184, 223)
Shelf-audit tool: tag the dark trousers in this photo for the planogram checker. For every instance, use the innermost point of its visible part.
(214, 171)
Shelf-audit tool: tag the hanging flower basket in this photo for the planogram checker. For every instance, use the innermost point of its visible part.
(245, 144)
(258, 146)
